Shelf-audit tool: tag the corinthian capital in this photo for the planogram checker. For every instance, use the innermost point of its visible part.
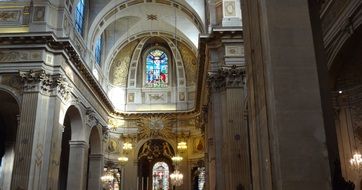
(227, 77)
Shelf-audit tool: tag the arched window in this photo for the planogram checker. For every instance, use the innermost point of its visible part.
(160, 175)
(79, 16)
(98, 50)
(156, 69)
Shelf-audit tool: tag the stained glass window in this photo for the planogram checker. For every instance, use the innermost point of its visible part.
(156, 69)
(79, 16)
(98, 50)
(160, 175)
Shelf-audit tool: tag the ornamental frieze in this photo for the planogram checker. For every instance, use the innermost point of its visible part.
(19, 56)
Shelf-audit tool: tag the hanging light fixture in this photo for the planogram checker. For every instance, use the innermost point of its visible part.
(356, 162)
(177, 158)
(176, 178)
(127, 146)
(123, 160)
(108, 176)
(182, 146)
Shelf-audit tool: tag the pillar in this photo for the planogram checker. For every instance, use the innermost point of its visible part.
(232, 148)
(95, 171)
(77, 169)
(287, 127)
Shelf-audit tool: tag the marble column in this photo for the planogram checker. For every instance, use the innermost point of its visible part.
(287, 126)
(95, 171)
(77, 168)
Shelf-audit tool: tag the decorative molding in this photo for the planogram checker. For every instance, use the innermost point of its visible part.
(229, 9)
(9, 16)
(31, 79)
(227, 77)
(66, 46)
(151, 127)
(39, 14)
(47, 84)
(91, 119)
(19, 56)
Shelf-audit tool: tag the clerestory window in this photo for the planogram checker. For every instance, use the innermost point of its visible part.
(156, 69)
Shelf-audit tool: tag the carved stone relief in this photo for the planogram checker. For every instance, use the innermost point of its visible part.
(47, 84)
(229, 77)
(229, 8)
(9, 16)
(91, 119)
(155, 127)
(18, 56)
(39, 14)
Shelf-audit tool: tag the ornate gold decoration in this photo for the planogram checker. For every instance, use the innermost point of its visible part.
(155, 148)
(189, 60)
(119, 69)
(155, 127)
(114, 123)
(112, 146)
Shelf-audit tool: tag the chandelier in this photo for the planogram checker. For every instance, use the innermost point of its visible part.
(108, 176)
(122, 160)
(127, 147)
(356, 162)
(176, 158)
(182, 146)
(176, 178)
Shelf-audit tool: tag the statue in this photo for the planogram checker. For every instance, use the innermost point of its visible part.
(166, 150)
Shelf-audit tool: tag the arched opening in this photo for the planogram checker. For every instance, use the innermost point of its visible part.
(160, 176)
(345, 82)
(9, 110)
(95, 160)
(72, 120)
(155, 165)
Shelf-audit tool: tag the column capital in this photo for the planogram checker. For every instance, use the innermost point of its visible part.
(47, 84)
(227, 77)
(91, 119)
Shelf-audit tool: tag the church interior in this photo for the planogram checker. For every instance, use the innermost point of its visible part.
(180, 94)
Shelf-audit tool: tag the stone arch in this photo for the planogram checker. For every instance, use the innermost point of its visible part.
(143, 141)
(74, 149)
(9, 112)
(95, 158)
(150, 152)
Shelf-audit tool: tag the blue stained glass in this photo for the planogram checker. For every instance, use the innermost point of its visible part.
(98, 50)
(79, 16)
(156, 69)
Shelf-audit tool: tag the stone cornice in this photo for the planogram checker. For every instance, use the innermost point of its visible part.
(27, 41)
